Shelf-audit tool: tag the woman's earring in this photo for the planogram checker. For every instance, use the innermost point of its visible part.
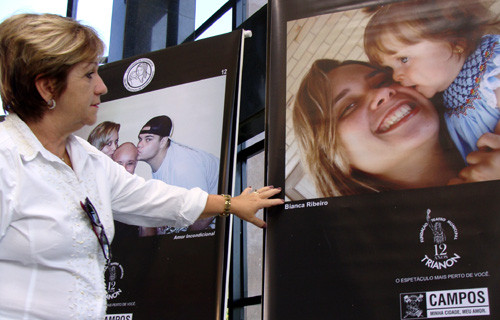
(52, 104)
(459, 50)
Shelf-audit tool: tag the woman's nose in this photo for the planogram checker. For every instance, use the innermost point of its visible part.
(381, 96)
(101, 87)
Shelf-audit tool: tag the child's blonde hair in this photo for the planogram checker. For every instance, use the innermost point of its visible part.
(459, 22)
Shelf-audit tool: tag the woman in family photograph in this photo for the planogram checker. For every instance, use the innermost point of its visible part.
(105, 137)
(360, 131)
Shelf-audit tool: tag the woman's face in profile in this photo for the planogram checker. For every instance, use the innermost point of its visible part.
(111, 144)
(79, 102)
(380, 123)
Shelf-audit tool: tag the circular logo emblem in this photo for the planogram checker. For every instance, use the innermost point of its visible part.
(139, 74)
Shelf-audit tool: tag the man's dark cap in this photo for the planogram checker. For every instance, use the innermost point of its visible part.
(161, 125)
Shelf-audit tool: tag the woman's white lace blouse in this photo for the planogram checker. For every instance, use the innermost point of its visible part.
(51, 263)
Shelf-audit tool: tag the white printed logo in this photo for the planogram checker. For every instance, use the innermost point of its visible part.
(114, 272)
(440, 258)
(139, 74)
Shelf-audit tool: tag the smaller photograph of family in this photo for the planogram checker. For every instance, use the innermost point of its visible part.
(402, 95)
(173, 135)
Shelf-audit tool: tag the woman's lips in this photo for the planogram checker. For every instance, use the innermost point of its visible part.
(397, 116)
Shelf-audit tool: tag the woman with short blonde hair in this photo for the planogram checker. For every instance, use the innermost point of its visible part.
(41, 46)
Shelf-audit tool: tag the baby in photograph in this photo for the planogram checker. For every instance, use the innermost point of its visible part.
(447, 46)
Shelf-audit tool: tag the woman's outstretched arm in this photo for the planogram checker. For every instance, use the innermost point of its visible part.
(244, 206)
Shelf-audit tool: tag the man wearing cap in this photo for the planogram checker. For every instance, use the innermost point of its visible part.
(175, 163)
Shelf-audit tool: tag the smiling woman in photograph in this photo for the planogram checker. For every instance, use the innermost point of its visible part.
(359, 131)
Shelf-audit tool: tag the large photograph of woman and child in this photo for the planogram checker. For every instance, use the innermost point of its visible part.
(383, 127)
(374, 95)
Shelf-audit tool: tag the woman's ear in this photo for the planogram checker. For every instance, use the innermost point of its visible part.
(45, 87)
